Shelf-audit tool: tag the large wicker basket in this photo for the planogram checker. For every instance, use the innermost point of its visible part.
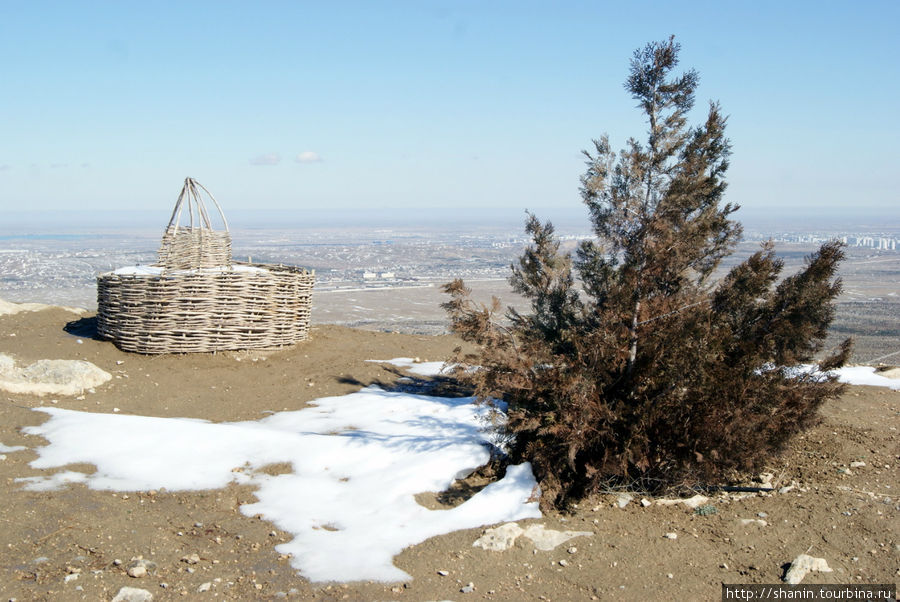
(195, 299)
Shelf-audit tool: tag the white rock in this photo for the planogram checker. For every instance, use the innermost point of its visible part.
(443, 573)
(504, 537)
(802, 565)
(191, 559)
(133, 594)
(548, 539)
(857, 464)
(139, 567)
(204, 587)
(468, 588)
(752, 521)
(691, 502)
(623, 499)
(70, 577)
(671, 535)
(499, 538)
(645, 502)
(50, 377)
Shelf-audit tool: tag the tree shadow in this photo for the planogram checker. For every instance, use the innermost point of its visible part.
(401, 382)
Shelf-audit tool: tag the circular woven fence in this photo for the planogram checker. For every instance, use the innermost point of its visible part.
(195, 299)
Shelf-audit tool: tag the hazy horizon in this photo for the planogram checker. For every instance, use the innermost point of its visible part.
(432, 218)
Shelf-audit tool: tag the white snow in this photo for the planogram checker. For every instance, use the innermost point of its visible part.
(357, 460)
(154, 270)
(5, 449)
(859, 375)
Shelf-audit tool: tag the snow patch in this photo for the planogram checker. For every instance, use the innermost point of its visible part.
(358, 461)
(857, 375)
(155, 270)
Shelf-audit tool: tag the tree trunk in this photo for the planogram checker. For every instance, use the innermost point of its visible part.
(633, 339)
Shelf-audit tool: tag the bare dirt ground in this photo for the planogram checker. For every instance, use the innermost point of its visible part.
(847, 515)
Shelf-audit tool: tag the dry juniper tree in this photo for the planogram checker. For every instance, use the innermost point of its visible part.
(650, 374)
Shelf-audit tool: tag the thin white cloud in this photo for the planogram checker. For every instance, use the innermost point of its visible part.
(267, 159)
(309, 157)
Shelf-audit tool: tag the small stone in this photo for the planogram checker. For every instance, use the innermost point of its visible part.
(645, 502)
(563, 563)
(671, 535)
(139, 567)
(623, 499)
(204, 587)
(572, 550)
(191, 559)
(753, 521)
(198, 525)
(762, 514)
(803, 564)
(670, 575)
(723, 566)
(468, 588)
(857, 464)
(70, 577)
(499, 538)
(691, 502)
(133, 594)
(443, 573)
(119, 362)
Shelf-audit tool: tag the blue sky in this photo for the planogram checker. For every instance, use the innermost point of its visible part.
(406, 106)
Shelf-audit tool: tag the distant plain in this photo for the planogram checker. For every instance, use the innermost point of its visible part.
(388, 278)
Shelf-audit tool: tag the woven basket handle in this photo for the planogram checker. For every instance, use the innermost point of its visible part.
(191, 193)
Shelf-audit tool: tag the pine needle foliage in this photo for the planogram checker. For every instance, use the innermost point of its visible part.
(633, 364)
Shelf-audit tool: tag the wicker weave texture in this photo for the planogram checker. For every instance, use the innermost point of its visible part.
(202, 311)
(195, 299)
(194, 248)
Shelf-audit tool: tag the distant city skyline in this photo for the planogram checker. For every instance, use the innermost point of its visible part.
(458, 110)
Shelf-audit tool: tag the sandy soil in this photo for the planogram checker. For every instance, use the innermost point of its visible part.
(846, 515)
